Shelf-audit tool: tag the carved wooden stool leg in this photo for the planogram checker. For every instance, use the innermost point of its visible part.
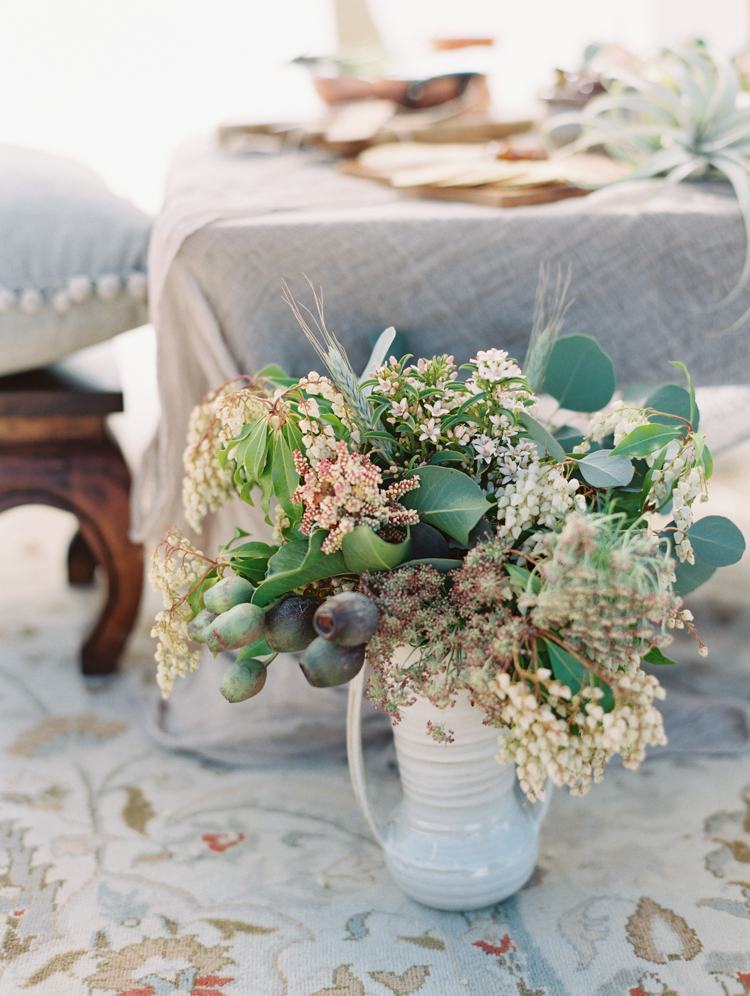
(81, 561)
(90, 479)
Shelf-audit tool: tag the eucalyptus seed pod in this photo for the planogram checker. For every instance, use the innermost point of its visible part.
(235, 628)
(289, 624)
(347, 619)
(243, 679)
(196, 627)
(325, 664)
(231, 590)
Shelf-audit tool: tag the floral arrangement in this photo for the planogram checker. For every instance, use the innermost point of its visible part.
(429, 521)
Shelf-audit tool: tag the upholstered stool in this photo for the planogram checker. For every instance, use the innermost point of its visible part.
(72, 273)
(55, 450)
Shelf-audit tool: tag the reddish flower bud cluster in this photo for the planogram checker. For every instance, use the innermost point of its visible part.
(343, 493)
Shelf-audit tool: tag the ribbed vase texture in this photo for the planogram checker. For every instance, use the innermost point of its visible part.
(463, 835)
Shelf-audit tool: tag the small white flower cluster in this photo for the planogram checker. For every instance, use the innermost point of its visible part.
(175, 567)
(207, 486)
(690, 485)
(621, 420)
(684, 619)
(234, 408)
(319, 438)
(493, 365)
(540, 742)
(540, 495)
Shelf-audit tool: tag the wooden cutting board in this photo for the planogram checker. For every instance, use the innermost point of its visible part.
(489, 196)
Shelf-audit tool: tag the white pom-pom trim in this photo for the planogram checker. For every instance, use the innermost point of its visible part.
(108, 286)
(61, 302)
(31, 301)
(137, 284)
(8, 300)
(79, 288)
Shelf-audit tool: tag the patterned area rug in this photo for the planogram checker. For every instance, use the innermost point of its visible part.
(129, 871)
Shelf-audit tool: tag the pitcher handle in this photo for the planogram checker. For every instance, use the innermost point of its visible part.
(536, 811)
(354, 754)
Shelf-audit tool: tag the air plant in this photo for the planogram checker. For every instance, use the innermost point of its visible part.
(679, 117)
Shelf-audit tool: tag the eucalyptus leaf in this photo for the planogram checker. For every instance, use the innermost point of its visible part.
(540, 435)
(629, 502)
(716, 541)
(646, 439)
(296, 564)
(672, 400)
(568, 437)
(579, 374)
(448, 500)
(688, 577)
(364, 550)
(640, 472)
(605, 469)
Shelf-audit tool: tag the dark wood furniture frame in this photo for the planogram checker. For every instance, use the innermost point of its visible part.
(55, 450)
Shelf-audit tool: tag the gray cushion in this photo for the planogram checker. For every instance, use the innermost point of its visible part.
(72, 259)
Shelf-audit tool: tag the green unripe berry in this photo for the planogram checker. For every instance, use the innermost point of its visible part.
(243, 679)
(231, 590)
(325, 664)
(235, 628)
(289, 624)
(347, 619)
(196, 627)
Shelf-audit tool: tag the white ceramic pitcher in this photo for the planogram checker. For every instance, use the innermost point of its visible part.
(464, 835)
